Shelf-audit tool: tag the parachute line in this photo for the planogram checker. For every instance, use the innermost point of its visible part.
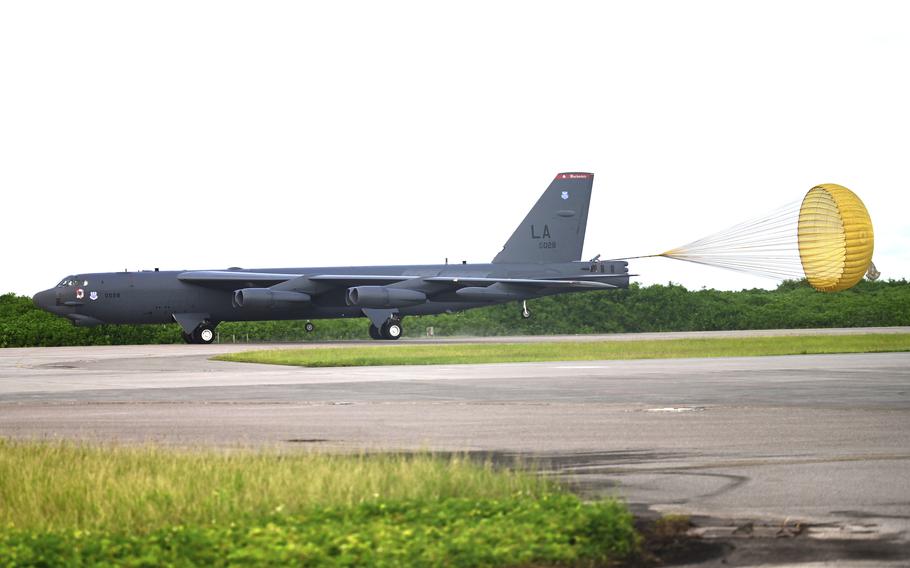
(765, 246)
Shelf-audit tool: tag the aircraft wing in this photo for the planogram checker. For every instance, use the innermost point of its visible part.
(359, 279)
(321, 282)
(221, 278)
(237, 279)
(458, 281)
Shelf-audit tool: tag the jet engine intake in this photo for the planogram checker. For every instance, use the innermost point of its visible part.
(383, 297)
(268, 298)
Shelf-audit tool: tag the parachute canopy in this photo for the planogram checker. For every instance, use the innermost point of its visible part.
(835, 237)
(826, 238)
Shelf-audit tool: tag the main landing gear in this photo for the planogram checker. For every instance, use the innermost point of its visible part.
(203, 334)
(390, 330)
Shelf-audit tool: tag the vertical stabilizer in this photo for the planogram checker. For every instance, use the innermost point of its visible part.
(554, 230)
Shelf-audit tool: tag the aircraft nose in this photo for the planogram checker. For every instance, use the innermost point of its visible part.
(44, 299)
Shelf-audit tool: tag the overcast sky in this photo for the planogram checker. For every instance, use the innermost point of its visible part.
(190, 135)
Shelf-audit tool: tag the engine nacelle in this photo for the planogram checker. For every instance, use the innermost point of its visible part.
(267, 298)
(383, 297)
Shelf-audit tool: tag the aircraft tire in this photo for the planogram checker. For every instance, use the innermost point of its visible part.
(204, 334)
(309, 327)
(375, 333)
(392, 330)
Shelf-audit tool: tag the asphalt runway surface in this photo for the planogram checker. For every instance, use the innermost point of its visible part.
(809, 440)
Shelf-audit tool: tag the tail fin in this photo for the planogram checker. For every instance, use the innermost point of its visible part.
(554, 230)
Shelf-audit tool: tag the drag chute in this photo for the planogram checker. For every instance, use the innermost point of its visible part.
(826, 238)
(835, 238)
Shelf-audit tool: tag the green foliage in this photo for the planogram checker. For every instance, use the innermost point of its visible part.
(553, 529)
(66, 504)
(638, 309)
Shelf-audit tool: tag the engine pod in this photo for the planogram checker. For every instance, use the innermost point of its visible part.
(383, 297)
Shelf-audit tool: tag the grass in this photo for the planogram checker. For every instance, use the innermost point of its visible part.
(453, 354)
(65, 503)
(58, 485)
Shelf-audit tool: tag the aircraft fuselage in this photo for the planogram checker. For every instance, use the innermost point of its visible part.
(148, 297)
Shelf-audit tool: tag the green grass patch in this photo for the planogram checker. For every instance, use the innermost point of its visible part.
(70, 504)
(452, 354)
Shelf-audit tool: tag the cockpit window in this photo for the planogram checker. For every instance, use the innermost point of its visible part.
(67, 282)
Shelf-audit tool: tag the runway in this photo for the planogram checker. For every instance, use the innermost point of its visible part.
(822, 439)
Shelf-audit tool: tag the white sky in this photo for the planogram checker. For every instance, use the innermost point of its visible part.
(190, 135)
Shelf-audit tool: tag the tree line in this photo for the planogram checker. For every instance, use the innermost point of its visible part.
(669, 307)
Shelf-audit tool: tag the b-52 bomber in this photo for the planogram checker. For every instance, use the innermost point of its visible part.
(542, 258)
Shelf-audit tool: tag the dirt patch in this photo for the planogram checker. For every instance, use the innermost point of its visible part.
(675, 540)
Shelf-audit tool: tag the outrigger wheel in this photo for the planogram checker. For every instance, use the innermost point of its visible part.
(525, 312)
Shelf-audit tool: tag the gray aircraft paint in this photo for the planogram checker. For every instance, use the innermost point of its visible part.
(541, 258)
(554, 229)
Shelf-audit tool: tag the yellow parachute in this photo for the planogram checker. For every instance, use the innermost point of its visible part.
(835, 238)
(826, 238)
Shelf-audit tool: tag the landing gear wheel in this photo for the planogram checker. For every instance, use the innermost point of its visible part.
(391, 330)
(374, 332)
(204, 334)
(309, 327)
(525, 312)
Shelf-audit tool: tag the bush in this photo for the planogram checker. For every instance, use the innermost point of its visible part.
(554, 529)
